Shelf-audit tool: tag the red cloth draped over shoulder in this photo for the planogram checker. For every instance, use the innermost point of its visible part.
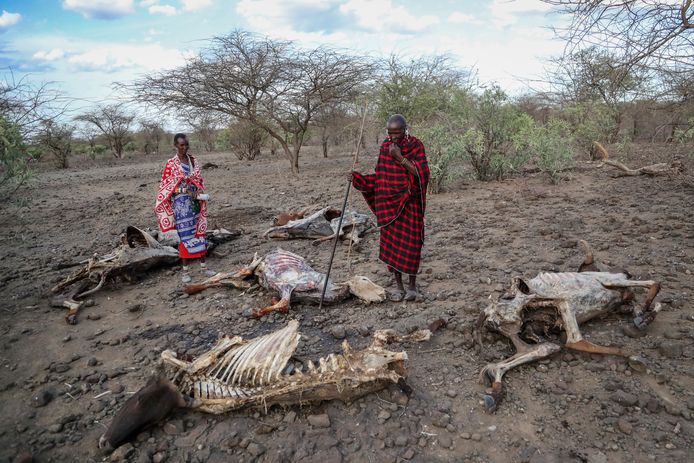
(398, 199)
(388, 189)
(171, 177)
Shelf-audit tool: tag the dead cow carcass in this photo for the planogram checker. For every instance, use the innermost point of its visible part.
(322, 225)
(138, 252)
(236, 373)
(290, 275)
(552, 302)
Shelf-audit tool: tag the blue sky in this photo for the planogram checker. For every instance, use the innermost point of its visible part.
(85, 45)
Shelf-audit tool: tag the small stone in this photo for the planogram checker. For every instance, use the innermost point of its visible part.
(465, 435)
(542, 368)
(383, 415)
(408, 454)
(319, 421)
(670, 349)
(624, 398)
(255, 449)
(290, 417)
(624, 426)
(92, 362)
(445, 441)
(476, 437)
(135, 307)
(93, 316)
(401, 441)
(159, 457)
(67, 338)
(123, 452)
(42, 398)
(61, 367)
(173, 427)
(55, 428)
(338, 331)
(452, 393)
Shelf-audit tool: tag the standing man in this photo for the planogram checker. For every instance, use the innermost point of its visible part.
(396, 193)
(178, 205)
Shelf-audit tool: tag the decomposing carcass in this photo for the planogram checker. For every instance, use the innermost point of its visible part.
(322, 225)
(138, 252)
(290, 275)
(262, 372)
(555, 302)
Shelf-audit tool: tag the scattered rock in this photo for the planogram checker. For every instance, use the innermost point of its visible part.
(670, 349)
(174, 427)
(624, 398)
(338, 331)
(123, 452)
(624, 426)
(42, 398)
(255, 449)
(319, 421)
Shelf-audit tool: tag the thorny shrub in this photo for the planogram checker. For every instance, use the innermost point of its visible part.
(14, 169)
(549, 146)
(488, 144)
(590, 122)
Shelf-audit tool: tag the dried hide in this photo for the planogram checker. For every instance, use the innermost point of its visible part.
(236, 373)
(322, 225)
(554, 302)
(290, 275)
(138, 253)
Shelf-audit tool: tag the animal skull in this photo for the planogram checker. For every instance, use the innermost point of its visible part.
(552, 302)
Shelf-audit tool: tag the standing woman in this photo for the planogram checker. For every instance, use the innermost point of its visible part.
(396, 193)
(178, 205)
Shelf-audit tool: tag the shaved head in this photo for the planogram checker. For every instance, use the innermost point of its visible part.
(397, 120)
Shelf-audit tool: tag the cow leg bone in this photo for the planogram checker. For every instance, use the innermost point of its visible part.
(281, 306)
(494, 372)
(645, 315)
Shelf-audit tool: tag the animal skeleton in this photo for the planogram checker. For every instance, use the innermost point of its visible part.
(559, 301)
(322, 226)
(290, 275)
(138, 252)
(237, 373)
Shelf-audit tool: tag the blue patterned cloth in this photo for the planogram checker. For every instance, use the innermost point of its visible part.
(187, 214)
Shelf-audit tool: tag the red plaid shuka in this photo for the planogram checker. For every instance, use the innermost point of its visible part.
(398, 200)
(171, 177)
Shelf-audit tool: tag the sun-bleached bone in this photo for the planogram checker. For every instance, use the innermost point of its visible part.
(553, 302)
(236, 373)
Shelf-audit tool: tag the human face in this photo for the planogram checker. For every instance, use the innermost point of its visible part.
(182, 146)
(395, 133)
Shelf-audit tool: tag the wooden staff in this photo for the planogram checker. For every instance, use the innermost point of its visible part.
(344, 206)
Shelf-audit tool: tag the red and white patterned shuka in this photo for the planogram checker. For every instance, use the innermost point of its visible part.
(171, 177)
(398, 199)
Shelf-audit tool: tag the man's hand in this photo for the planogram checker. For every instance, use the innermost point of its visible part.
(195, 194)
(395, 153)
(349, 176)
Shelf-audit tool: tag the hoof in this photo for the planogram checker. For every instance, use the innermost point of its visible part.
(71, 319)
(490, 403)
(637, 363)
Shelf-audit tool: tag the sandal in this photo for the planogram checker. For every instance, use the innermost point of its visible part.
(205, 271)
(411, 295)
(186, 278)
(397, 295)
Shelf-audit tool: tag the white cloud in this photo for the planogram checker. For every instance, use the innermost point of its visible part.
(115, 57)
(166, 10)
(8, 19)
(146, 3)
(194, 5)
(100, 9)
(507, 12)
(380, 15)
(52, 55)
(461, 18)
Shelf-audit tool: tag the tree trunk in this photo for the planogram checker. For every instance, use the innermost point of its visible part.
(325, 147)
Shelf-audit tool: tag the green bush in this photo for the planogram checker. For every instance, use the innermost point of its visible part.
(14, 169)
(684, 135)
(489, 143)
(57, 140)
(549, 146)
(444, 148)
(590, 122)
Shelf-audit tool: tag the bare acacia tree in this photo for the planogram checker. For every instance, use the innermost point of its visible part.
(205, 125)
(114, 122)
(269, 83)
(57, 139)
(657, 34)
(152, 134)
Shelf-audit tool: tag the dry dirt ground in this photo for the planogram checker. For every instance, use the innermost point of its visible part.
(60, 385)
